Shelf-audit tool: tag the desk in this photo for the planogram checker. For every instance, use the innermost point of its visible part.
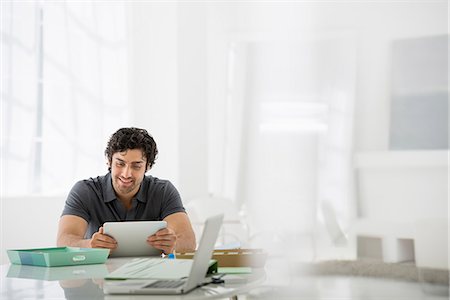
(86, 282)
(279, 280)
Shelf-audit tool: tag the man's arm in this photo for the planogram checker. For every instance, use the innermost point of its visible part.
(181, 224)
(71, 232)
(178, 235)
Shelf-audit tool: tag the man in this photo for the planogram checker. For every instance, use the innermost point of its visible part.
(125, 193)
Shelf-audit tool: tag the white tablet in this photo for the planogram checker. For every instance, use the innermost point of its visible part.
(132, 237)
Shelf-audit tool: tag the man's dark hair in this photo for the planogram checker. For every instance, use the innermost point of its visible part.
(132, 138)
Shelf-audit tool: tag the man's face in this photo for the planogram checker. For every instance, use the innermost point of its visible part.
(127, 171)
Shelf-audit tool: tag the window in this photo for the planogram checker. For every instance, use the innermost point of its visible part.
(64, 91)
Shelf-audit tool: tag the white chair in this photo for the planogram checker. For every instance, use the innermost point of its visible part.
(234, 232)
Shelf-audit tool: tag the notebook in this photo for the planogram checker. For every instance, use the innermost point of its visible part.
(166, 273)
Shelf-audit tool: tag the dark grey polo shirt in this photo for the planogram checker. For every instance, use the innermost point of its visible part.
(95, 201)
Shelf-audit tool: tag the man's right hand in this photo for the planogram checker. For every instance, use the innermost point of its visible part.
(71, 233)
(101, 240)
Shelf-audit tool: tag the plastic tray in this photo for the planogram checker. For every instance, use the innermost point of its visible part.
(61, 256)
(57, 273)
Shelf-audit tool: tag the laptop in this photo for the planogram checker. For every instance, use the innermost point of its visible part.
(167, 268)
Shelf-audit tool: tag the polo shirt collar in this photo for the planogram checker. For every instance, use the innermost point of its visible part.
(110, 195)
(140, 196)
(108, 190)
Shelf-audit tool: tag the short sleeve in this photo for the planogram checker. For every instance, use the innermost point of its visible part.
(171, 202)
(76, 203)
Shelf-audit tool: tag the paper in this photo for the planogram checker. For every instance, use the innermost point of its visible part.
(234, 270)
(153, 268)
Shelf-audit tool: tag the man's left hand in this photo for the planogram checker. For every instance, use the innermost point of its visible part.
(164, 239)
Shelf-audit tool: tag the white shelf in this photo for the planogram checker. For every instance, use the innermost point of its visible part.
(395, 159)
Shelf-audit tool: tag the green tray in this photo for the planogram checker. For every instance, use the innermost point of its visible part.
(61, 256)
(57, 273)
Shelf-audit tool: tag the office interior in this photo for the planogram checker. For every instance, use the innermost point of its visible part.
(320, 128)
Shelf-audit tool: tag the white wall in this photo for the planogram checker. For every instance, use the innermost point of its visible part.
(168, 87)
(178, 69)
(153, 41)
(29, 222)
(403, 186)
(192, 99)
(378, 25)
(199, 43)
(375, 25)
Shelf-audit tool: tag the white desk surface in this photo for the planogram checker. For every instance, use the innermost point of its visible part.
(277, 281)
(86, 282)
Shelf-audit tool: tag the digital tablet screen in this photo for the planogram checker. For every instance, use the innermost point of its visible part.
(132, 237)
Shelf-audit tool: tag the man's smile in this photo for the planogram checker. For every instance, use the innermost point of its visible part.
(126, 182)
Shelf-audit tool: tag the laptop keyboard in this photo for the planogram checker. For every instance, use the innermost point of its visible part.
(165, 284)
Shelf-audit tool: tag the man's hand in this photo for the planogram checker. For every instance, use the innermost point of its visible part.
(101, 240)
(71, 233)
(164, 239)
